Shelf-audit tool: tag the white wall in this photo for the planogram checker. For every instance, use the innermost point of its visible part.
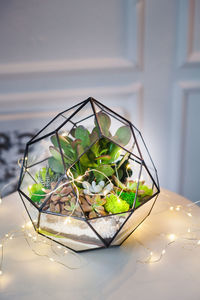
(140, 57)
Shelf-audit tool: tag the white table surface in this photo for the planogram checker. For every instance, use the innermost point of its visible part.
(109, 273)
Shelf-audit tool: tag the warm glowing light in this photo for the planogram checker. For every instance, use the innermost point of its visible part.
(67, 220)
(1, 273)
(198, 243)
(11, 237)
(64, 134)
(177, 208)
(65, 251)
(171, 208)
(189, 214)
(163, 252)
(79, 178)
(128, 166)
(0, 200)
(151, 253)
(29, 224)
(30, 186)
(172, 237)
(188, 230)
(30, 235)
(1, 245)
(6, 235)
(51, 259)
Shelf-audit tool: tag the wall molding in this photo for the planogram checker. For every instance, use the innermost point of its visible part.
(132, 60)
(36, 105)
(179, 115)
(187, 55)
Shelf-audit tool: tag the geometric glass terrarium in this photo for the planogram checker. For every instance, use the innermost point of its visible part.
(88, 180)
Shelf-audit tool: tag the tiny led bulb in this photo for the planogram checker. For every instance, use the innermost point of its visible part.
(1, 273)
(0, 200)
(177, 208)
(164, 251)
(198, 243)
(1, 245)
(51, 259)
(172, 237)
(171, 208)
(79, 178)
(189, 214)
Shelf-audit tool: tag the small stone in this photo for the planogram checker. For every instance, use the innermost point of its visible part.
(57, 208)
(66, 190)
(86, 207)
(52, 207)
(46, 207)
(101, 211)
(92, 214)
(88, 198)
(47, 191)
(64, 199)
(55, 197)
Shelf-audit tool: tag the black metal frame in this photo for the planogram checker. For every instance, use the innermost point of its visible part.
(139, 160)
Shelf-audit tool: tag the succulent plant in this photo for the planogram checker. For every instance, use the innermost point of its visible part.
(96, 188)
(46, 176)
(93, 205)
(100, 156)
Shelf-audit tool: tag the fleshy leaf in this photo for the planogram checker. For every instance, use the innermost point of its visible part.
(122, 135)
(104, 122)
(105, 169)
(56, 165)
(83, 134)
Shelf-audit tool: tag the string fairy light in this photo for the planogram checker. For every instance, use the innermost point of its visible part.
(36, 239)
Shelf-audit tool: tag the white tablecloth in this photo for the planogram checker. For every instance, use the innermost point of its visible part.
(109, 273)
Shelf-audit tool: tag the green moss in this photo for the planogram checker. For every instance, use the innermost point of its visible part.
(36, 193)
(147, 191)
(115, 205)
(129, 198)
(38, 197)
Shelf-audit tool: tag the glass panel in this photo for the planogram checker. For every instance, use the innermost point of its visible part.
(135, 219)
(50, 127)
(45, 169)
(36, 196)
(56, 122)
(116, 129)
(146, 156)
(76, 139)
(31, 210)
(70, 232)
(108, 226)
